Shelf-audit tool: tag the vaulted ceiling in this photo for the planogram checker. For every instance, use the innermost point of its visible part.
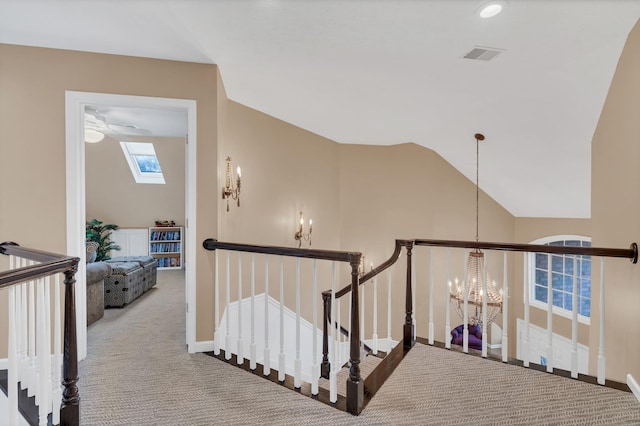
(387, 72)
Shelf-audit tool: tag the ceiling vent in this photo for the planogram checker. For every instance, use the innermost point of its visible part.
(483, 53)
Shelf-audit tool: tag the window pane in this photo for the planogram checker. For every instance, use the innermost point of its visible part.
(585, 307)
(568, 264)
(585, 267)
(148, 163)
(572, 243)
(556, 263)
(557, 281)
(586, 243)
(568, 283)
(542, 277)
(585, 287)
(542, 261)
(568, 302)
(557, 298)
(541, 294)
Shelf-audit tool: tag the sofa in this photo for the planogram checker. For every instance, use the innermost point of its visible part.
(96, 274)
(475, 336)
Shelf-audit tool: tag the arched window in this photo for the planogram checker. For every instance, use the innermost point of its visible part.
(558, 271)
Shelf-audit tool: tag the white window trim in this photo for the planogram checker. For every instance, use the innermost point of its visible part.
(139, 176)
(529, 277)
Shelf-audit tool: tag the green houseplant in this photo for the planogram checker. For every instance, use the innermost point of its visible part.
(100, 233)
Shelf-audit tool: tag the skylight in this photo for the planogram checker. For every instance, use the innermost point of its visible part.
(143, 162)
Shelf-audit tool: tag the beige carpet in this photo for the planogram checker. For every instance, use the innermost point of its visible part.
(138, 373)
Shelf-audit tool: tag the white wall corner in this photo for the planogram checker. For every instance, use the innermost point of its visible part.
(633, 385)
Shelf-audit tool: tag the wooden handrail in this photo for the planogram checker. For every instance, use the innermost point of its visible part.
(631, 253)
(339, 256)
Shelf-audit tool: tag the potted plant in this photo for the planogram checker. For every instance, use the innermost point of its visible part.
(100, 233)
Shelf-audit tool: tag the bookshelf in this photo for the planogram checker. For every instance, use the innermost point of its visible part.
(166, 246)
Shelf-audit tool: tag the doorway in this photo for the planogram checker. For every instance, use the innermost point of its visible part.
(75, 103)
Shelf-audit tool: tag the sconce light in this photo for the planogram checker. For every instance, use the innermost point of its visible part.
(300, 234)
(362, 266)
(228, 191)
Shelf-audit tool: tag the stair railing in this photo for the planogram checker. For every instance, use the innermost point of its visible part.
(29, 342)
(355, 387)
(631, 253)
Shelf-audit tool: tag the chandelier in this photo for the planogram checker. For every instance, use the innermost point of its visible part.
(478, 290)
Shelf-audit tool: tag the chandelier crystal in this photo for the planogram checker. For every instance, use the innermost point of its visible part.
(477, 288)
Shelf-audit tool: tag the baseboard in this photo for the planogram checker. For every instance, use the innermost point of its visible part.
(201, 346)
(633, 385)
(495, 346)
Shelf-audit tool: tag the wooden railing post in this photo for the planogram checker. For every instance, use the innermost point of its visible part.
(355, 385)
(408, 335)
(70, 409)
(325, 367)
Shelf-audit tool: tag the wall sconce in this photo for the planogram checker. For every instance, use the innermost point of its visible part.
(300, 234)
(362, 266)
(228, 191)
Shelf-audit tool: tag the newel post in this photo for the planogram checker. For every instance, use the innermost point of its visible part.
(70, 409)
(355, 385)
(325, 366)
(408, 340)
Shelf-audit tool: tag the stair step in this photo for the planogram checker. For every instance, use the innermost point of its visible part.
(367, 365)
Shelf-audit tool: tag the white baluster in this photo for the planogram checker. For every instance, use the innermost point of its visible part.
(525, 339)
(333, 385)
(574, 321)
(315, 366)
(216, 301)
(33, 380)
(465, 327)
(24, 336)
(297, 378)
(42, 354)
(240, 356)
(550, 316)
(227, 342)
(375, 315)
(252, 347)
(12, 374)
(340, 352)
(601, 357)
(447, 304)
(505, 310)
(484, 313)
(431, 331)
(267, 351)
(413, 298)
(388, 310)
(56, 397)
(47, 329)
(281, 359)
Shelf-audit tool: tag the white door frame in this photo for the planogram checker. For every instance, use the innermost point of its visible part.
(76, 215)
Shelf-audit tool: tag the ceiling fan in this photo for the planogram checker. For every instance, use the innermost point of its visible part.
(96, 126)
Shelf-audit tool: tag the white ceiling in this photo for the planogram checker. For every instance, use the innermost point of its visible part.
(388, 72)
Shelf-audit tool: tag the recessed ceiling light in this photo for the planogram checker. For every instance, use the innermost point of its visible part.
(491, 9)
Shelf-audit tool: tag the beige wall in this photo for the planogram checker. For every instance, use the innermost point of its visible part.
(285, 169)
(33, 82)
(113, 196)
(615, 209)
(407, 191)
